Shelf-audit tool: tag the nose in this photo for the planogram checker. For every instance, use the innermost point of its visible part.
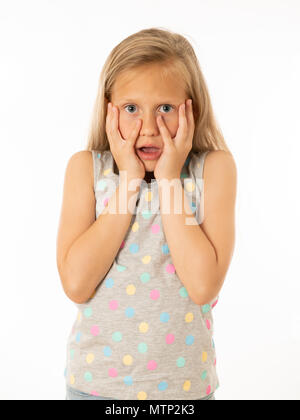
(149, 125)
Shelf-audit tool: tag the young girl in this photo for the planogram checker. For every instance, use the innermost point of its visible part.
(144, 275)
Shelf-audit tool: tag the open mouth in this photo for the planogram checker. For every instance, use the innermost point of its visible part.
(149, 153)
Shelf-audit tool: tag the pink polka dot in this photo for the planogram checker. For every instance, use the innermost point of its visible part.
(113, 305)
(122, 244)
(95, 394)
(170, 269)
(112, 372)
(215, 362)
(105, 201)
(95, 330)
(155, 228)
(154, 294)
(208, 390)
(208, 324)
(170, 338)
(214, 304)
(152, 365)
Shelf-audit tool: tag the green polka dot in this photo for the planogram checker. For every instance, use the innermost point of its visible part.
(101, 185)
(88, 312)
(72, 353)
(88, 376)
(204, 375)
(145, 277)
(183, 292)
(146, 214)
(117, 336)
(121, 268)
(142, 347)
(205, 308)
(180, 362)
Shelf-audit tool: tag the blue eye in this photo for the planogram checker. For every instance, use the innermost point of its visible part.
(133, 106)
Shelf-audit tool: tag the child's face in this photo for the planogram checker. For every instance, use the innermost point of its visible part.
(143, 94)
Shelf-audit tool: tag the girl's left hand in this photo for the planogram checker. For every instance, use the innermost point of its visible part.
(176, 150)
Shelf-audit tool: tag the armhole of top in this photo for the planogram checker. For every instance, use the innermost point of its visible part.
(96, 165)
(201, 163)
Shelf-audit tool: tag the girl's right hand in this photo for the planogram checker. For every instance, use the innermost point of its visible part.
(122, 150)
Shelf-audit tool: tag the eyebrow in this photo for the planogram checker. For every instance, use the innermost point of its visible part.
(135, 100)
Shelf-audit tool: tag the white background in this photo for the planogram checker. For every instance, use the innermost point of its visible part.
(52, 53)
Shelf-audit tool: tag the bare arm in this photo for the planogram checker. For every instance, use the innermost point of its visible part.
(84, 261)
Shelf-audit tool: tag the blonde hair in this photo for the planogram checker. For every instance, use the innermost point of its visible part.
(175, 53)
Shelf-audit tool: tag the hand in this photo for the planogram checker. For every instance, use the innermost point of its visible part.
(176, 150)
(122, 150)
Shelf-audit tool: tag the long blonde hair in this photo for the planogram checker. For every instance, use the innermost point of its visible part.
(175, 53)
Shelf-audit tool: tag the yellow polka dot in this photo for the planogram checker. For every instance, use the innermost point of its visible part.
(142, 395)
(189, 186)
(189, 317)
(204, 356)
(130, 289)
(198, 165)
(143, 327)
(186, 386)
(146, 259)
(79, 316)
(72, 380)
(148, 196)
(127, 360)
(107, 171)
(135, 227)
(90, 358)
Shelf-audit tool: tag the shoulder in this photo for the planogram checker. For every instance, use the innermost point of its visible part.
(220, 164)
(81, 164)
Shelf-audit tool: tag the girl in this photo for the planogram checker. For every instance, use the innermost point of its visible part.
(144, 276)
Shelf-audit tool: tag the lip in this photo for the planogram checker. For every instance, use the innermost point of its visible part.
(147, 155)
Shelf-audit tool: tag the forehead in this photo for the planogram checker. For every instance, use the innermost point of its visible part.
(148, 82)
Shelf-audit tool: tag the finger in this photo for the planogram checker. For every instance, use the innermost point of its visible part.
(182, 129)
(190, 118)
(164, 132)
(134, 133)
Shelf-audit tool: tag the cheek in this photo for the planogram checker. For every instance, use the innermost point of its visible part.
(126, 124)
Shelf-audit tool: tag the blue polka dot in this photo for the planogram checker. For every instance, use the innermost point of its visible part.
(128, 380)
(107, 351)
(129, 312)
(164, 317)
(109, 283)
(165, 249)
(189, 340)
(193, 206)
(78, 337)
(162, 386)
(99, 155)
(134, 248)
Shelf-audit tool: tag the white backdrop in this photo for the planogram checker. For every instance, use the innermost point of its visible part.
(52, 53)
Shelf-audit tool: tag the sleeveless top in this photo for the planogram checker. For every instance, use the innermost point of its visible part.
(140, 336)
